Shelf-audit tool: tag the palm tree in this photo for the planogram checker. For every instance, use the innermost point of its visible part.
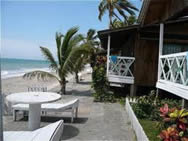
(79, 54)
(91, 38)
(130, 21)
(65, 45)
(117, 24)
(91, 42)
(121, 6)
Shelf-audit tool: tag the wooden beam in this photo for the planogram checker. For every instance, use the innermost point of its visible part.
(108, 55)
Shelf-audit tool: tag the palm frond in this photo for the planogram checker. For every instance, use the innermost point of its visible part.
(40, 75)
(70, 33)
(102, 8)
(73, 57)
(121, 12)
(90, 34)
(74, 42)
(128, 7)
(116, 16)
(49, 57)
(58, 44)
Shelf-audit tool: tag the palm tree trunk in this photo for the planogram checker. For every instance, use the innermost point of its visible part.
(76, 77)
(63, 86)
(110, 24)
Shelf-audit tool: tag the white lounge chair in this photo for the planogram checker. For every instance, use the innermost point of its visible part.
(71, 106)
(52, 132)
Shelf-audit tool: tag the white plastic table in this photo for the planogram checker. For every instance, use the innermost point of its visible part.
(34, 99)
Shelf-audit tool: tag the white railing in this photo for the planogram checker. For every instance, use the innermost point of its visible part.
(121, 66)
(174, 68)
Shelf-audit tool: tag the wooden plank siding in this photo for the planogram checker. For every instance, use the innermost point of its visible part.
(161, 10)
(145, 67)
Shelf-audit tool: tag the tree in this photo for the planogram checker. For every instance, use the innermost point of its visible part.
(92, 43)
(80, 55)
(130, 21)
(121, 6)
(66, 44)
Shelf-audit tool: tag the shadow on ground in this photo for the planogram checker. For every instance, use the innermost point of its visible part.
(85, 83)
(69, 132)
(51, 119)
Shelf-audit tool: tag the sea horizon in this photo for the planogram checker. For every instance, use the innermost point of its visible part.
(13, 67)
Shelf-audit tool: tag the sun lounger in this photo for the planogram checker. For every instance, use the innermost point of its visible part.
(71, 106)
(52, 132)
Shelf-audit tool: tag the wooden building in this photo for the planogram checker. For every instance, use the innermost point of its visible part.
(171, 19)
(134, 51)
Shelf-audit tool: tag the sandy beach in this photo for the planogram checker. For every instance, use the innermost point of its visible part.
(18, 84)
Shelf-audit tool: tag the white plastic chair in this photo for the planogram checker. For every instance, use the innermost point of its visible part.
(52, 132)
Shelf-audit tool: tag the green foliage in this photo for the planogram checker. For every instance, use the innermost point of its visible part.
(130, 21)
(175, 124)
(114, 6)
(150, 129)
(66, 44)
(147, 106)
(122, 101)
(100, 83)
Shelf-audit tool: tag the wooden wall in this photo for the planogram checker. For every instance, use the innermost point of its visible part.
(161, 10)
(146, 65)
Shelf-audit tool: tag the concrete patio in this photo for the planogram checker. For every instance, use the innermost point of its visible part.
(96, 121)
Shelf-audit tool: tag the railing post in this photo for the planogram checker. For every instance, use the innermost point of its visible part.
(161, 38)
(108, 55)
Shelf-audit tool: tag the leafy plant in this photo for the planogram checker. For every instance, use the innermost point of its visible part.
(175, 122)
(100, 83)
(147, 106)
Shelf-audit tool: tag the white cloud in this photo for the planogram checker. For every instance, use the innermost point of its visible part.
(11, 48)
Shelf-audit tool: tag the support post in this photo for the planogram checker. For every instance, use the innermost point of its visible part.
(161, 38)
(108, 55)
(184, 103)
(133, 89)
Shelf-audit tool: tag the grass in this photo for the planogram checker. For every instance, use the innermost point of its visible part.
(150, 129)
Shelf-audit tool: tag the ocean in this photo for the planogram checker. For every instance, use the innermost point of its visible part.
(18, 67)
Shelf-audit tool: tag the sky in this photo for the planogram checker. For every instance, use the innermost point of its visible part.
(26, 25)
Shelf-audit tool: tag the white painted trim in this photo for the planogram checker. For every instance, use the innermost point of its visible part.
(121, 77)
(140, 134)
(123, 57)
(174, 55)
(121, 80)
(161, 36)
(108, 55)
(177, 65)
(173, 88)
(173, 84)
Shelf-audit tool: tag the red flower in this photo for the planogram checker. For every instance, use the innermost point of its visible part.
(164, 110)
(182, 126)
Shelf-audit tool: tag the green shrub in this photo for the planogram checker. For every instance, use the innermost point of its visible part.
(100, 83)
(147, 107)
(122, 101)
